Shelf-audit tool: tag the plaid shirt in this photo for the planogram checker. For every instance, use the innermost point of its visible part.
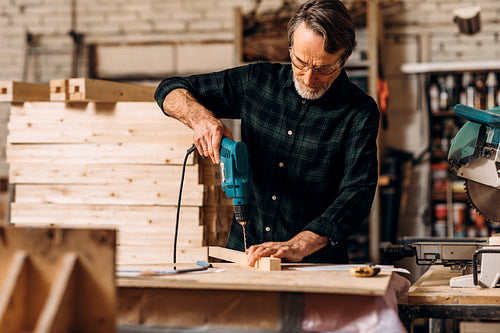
(313, 163)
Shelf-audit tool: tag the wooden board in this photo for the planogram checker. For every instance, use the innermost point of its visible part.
(433, 287)
(237, 277)
(13, 91)
(135, 174)
(240, 258)
(57, 280)
(93, 111)
(114, 194)
(83, 89)
(152, 153)
(112, 215)
(114, 164)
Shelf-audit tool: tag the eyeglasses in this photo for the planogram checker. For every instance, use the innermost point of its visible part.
(321, 70)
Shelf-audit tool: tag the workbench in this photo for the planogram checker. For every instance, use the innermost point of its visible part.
(432, 297)
(231, 297)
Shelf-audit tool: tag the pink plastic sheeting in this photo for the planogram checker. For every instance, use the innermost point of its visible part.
(353, 313)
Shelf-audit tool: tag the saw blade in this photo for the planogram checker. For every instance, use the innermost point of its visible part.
(485, 199)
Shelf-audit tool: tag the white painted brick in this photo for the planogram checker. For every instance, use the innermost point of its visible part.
(206, 25)
(200, 58)
(123, 61)
(187, 16)
(199, 4)
(170, 26)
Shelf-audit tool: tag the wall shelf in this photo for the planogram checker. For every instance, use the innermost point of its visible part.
(450, 66)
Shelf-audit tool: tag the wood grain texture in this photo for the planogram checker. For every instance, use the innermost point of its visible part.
(18, 92)
(240, 258)
(230, 276)
(83, 89)
(433, 287)
(57, 280)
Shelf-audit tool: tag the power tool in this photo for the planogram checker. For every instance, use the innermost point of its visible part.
(234, 178)
(475, 156)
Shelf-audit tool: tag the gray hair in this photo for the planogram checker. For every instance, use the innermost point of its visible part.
(330, 19)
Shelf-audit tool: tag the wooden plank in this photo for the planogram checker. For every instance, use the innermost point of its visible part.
(112, 215)
(135, 174)
(433, 287)
(127, 255)
(127, 153)
(12, 290)
(115, 111)
(240, 258)
(13, 91)
(83, 89)
(56, 315)
(239, 277)
(50, 293)
(61, 131)
(188, 310)
(107, 194)
(59, 90)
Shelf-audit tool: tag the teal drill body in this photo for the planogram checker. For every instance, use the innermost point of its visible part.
(234, 177)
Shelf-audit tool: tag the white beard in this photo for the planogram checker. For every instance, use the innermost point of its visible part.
(309, 93)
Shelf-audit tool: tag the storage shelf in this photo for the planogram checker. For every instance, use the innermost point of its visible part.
(450, 66)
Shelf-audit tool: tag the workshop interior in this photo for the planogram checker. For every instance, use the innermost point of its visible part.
(111, 221)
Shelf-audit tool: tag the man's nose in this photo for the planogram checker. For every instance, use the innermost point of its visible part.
(309, 76)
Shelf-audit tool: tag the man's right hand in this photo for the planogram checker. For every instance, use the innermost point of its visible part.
(208, 130)
(208, 134)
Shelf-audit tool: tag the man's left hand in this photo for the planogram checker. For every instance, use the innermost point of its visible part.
(294, 250)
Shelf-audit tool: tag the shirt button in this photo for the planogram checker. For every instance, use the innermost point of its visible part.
(274, 197)
(281, 164)
(290, 132)
(268, 229)
(304, 101)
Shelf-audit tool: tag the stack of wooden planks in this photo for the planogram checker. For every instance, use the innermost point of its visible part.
(103, 154)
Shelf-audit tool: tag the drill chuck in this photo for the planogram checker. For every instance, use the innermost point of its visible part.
(241, 214)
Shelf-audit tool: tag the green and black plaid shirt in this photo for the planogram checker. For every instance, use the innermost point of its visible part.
(313, 163)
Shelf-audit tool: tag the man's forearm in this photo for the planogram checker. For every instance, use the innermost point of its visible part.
(308, 242)
(208, 130)
(181, 105)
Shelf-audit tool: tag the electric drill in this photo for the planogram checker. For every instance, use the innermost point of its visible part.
(234, 178)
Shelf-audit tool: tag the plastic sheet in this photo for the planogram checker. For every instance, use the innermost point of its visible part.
(351, 313)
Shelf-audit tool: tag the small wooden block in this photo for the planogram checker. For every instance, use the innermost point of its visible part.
(12, 91)
(238, 257)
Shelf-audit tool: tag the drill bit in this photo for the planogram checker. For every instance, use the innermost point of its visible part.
(243, 224)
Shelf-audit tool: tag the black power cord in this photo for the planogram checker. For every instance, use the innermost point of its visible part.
(189, 151)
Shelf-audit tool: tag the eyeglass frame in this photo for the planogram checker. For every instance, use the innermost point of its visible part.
(315, 69)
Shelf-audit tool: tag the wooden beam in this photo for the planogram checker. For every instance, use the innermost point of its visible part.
(56, 315)
(59, 90)
(127, 153)
(112, 194)
(86, 90)
(13, 91)
(240, 258)
(57, 280)
(12, 290)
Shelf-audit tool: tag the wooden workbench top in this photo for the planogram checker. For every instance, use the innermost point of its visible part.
(228, 276)
(433, 287)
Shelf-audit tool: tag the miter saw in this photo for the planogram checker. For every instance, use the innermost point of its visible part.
(474, 155)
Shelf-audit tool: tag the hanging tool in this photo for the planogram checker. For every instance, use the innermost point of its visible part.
(234, 178)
